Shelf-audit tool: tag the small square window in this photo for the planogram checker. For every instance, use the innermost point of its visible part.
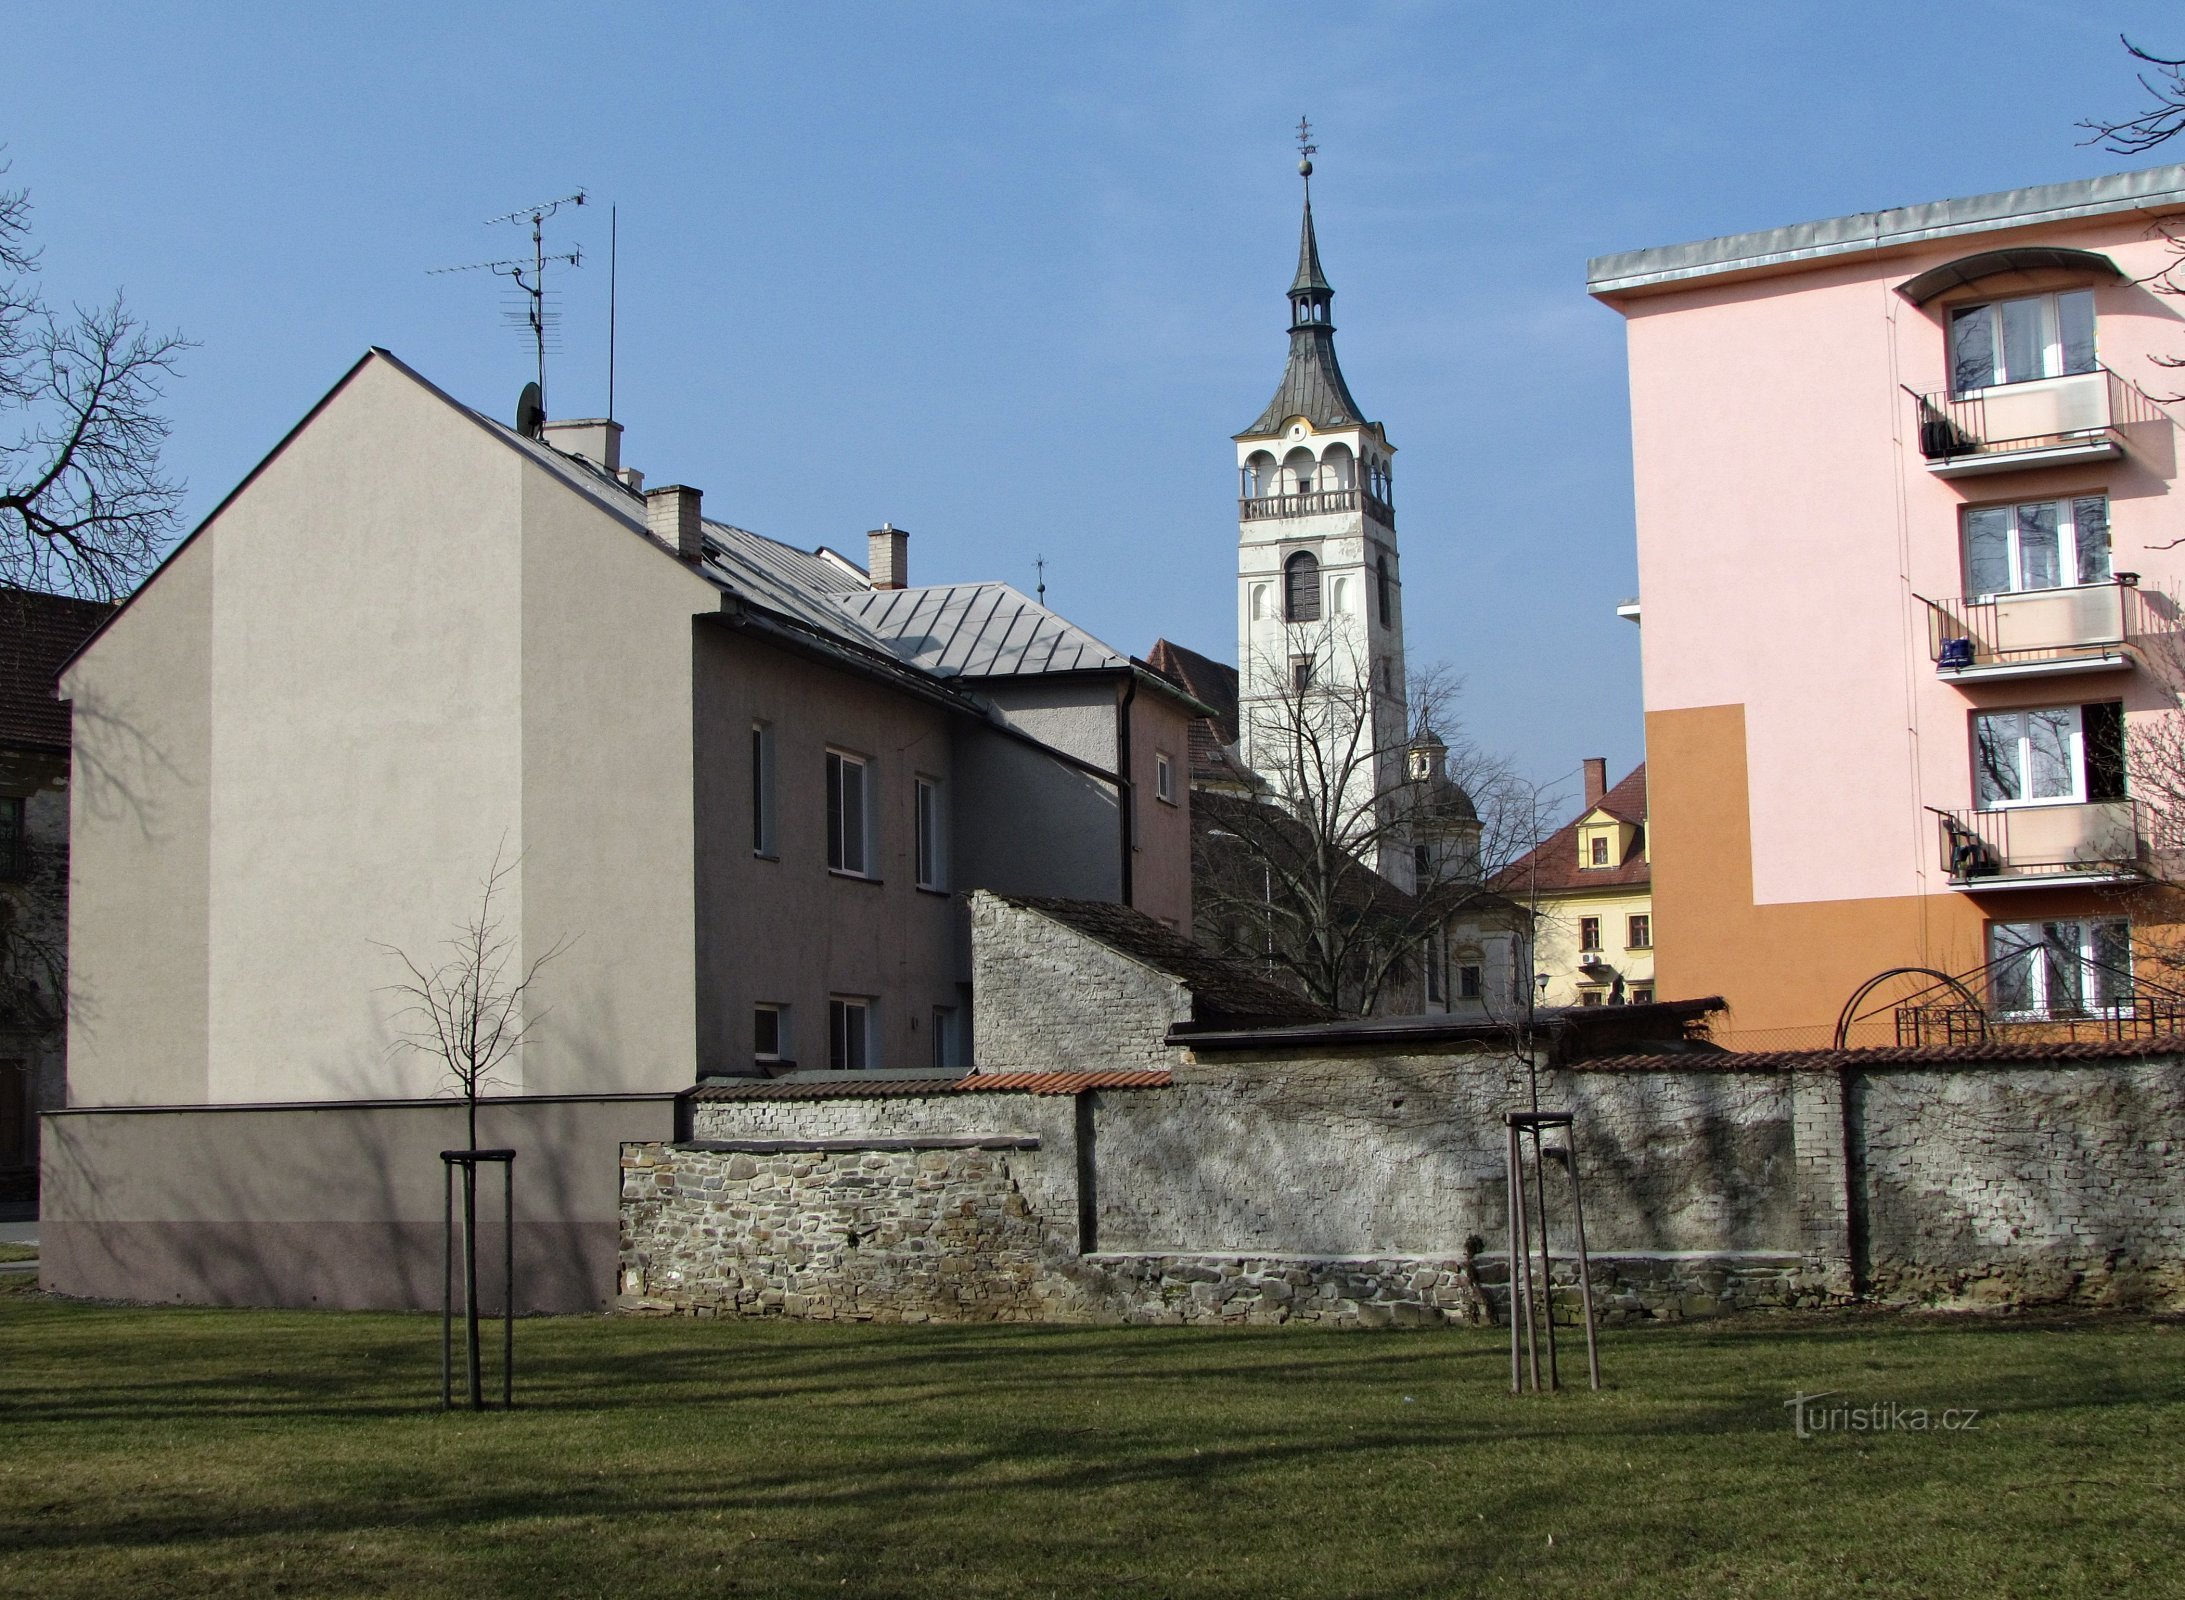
(1598, 850)
(849, 1033)
(1589, 933)
(847, 821)
(1591, 997)
(1301, 673)
(1643, 995)
(769, 1032)
(1164, 777)
(931, 826)
(1639, 931)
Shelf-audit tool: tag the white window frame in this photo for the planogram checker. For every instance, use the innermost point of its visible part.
(783, 1040)
(853, 1036)
(2080, 936)
(2068, 560)
(2022, 740)
(929, 827)
(1164, 777)
(765, 842)
(839, 763)
(2052, 340)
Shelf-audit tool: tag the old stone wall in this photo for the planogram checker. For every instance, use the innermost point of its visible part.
(2021, 1184)
(1048, 995)
(1367, 1190)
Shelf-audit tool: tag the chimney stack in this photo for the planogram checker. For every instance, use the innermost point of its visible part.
(671, 513)
(887, 558)
(597, 439)
(1596, 780)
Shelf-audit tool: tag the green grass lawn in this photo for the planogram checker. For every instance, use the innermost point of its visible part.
(184, 1452)
(18, 1252)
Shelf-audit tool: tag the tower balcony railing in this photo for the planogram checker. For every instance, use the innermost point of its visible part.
(2091, 627)
(2101, 841)
(1315, 503)
(2043, 421)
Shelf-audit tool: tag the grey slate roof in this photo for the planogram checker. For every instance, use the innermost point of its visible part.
(1312, 387)
(1309, 275)
(976, 630)
(2154, 189)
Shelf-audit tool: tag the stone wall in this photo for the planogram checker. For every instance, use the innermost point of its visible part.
(1369, 1190)
(1048, 994)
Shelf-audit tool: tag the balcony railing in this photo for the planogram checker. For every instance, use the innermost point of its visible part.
(2102, 841)
(2081, 414)
(2036, 631)
(1320, 502)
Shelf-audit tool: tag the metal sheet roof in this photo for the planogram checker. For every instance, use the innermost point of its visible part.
(976, 630)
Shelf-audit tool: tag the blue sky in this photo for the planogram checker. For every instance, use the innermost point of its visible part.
(1010, 275)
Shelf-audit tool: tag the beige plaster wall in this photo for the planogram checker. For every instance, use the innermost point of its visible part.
(139, 830)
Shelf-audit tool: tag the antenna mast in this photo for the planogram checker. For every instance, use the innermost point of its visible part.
(530, 276)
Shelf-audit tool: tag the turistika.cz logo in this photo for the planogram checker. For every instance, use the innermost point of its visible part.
(1811, 1415)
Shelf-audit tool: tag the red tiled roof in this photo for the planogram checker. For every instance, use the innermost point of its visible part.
(1889, 1056)
(888, 1088)
(1552, 867)
(38, 633)
(1211, 683)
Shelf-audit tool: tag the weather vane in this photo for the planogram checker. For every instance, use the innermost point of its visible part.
(1306, 150)
(534, 317)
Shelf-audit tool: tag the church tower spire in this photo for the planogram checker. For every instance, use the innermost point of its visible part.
(1319, 605)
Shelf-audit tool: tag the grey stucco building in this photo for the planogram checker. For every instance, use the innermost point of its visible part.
(744, 787)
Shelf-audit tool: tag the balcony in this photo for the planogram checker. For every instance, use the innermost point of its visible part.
(1318, 503)
(2041, 423)
(2038, 632)
(2044, 847)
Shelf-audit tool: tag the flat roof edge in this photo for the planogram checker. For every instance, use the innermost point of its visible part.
(2155, 188)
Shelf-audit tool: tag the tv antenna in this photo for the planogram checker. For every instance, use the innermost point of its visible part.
(533, 313)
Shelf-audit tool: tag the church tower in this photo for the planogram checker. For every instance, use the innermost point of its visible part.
(1319, 596)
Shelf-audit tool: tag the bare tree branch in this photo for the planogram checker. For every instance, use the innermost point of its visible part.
(464, 1012)
(2163, 119)
(84, 506)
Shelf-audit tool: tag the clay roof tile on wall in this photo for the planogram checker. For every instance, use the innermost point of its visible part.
(39, 632)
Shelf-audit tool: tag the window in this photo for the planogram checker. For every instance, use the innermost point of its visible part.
(1434, 957)
(1639, 932)
(945, 1055)
(1260, 592)
(1643, 995)
(1597, 850)
(2045, 969)
(2047, 544)
(1468, 983)
(1589, 933)
(1339, 595)
(846, 817)
(762, 789)
(1301, 588)
(1301, 674)
(2013, 341)
(2056, 755)
(849, 1033)
(1590, 997)
(1422, 864)
(1164, 777)
(932, 830)
(770, 1032)
(14, 851)
(1388, 594)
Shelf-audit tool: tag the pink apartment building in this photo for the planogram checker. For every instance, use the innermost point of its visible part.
(1910, 556)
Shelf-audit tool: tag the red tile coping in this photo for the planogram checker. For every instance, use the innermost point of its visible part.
(884, 1088)
(1888, 1056)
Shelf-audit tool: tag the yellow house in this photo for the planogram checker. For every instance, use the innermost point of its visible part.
(1590, 887)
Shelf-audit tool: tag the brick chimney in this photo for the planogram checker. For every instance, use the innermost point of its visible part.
(887, 557)
(1596, 780)
(671, 512)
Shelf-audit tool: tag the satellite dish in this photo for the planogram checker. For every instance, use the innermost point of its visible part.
(530, 411)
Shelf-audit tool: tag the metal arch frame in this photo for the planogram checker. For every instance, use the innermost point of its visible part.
(1850, 1012)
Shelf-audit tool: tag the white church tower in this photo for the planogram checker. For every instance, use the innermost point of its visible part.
(1319, 596)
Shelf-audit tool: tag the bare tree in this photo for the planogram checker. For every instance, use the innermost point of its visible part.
(2163, 77)
(84, 507)
(470, 1010)
(1365, 842)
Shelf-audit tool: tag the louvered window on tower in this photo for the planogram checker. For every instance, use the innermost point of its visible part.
(1301, 588)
